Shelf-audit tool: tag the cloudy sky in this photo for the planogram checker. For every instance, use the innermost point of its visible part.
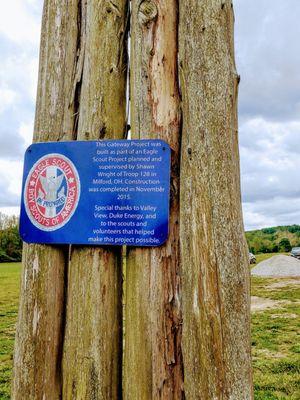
(268, 59)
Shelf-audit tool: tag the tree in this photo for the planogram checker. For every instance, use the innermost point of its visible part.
(214, 266)
(214, 259)
(153, 360)
(294, 228)
(71, 298)
(187, 318)
(39, 335)
(93, 336)
(10, 241)
(284, 245)
(8, 221)
(10, 244)
(269, 231)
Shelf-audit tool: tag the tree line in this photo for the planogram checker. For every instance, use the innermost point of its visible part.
(10, 241)
(273, 240)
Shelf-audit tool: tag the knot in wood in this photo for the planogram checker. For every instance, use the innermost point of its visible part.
(147, 12)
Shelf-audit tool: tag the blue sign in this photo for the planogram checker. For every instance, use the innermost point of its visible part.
(113, 192)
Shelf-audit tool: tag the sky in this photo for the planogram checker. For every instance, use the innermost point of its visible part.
(268, 60)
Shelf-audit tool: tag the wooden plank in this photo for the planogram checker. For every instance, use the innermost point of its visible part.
(41, 312)
(215, 270)
(93, 339)
(153, 368)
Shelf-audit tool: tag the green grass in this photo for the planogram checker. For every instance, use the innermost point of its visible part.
(262, 287)
(9, 298)
(275, 342)
(275, 336)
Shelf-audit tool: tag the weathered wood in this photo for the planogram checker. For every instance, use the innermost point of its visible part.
(153, 368)
(39, 329)
(93, 339)
(215, 271)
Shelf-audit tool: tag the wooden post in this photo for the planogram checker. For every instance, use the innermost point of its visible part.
(153, 368)
(81, 94)
(70, 309)
(93, 341)
(214, 266)
(39, 337)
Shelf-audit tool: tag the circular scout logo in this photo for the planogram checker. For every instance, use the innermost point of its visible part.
(51, 192)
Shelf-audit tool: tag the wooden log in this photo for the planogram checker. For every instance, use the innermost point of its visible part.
(153, 368)
(93, 340)
(39, 337)
(214, 265)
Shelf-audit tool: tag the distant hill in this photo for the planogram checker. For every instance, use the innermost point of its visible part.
(273, 240)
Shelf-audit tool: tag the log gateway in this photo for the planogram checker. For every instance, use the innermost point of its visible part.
(186, 306)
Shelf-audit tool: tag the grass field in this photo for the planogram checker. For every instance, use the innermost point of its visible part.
(276, 339)
(275, 334)
(9, 298)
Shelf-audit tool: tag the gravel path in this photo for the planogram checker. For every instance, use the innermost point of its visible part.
(278, 266)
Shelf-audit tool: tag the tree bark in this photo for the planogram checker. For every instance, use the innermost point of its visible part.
(93, 337)
(153, 367)
(214, 267)
(70, 309)
(81, 95)
(39, 334)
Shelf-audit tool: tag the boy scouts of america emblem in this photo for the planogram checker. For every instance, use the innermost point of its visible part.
(51, 192)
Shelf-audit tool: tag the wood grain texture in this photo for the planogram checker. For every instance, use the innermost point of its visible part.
(92, 350)
(153, 368)
(37, 372)
(214, 267)
(93, 338)
(81, 95)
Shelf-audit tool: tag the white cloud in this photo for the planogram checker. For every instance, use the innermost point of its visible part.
(269, 166)
(7, 96)
(276, 211)
(10, 186)
(17, 22)
(11, 176)
(18, 74)
(256, 220)
(268, 58)
(26, 132)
